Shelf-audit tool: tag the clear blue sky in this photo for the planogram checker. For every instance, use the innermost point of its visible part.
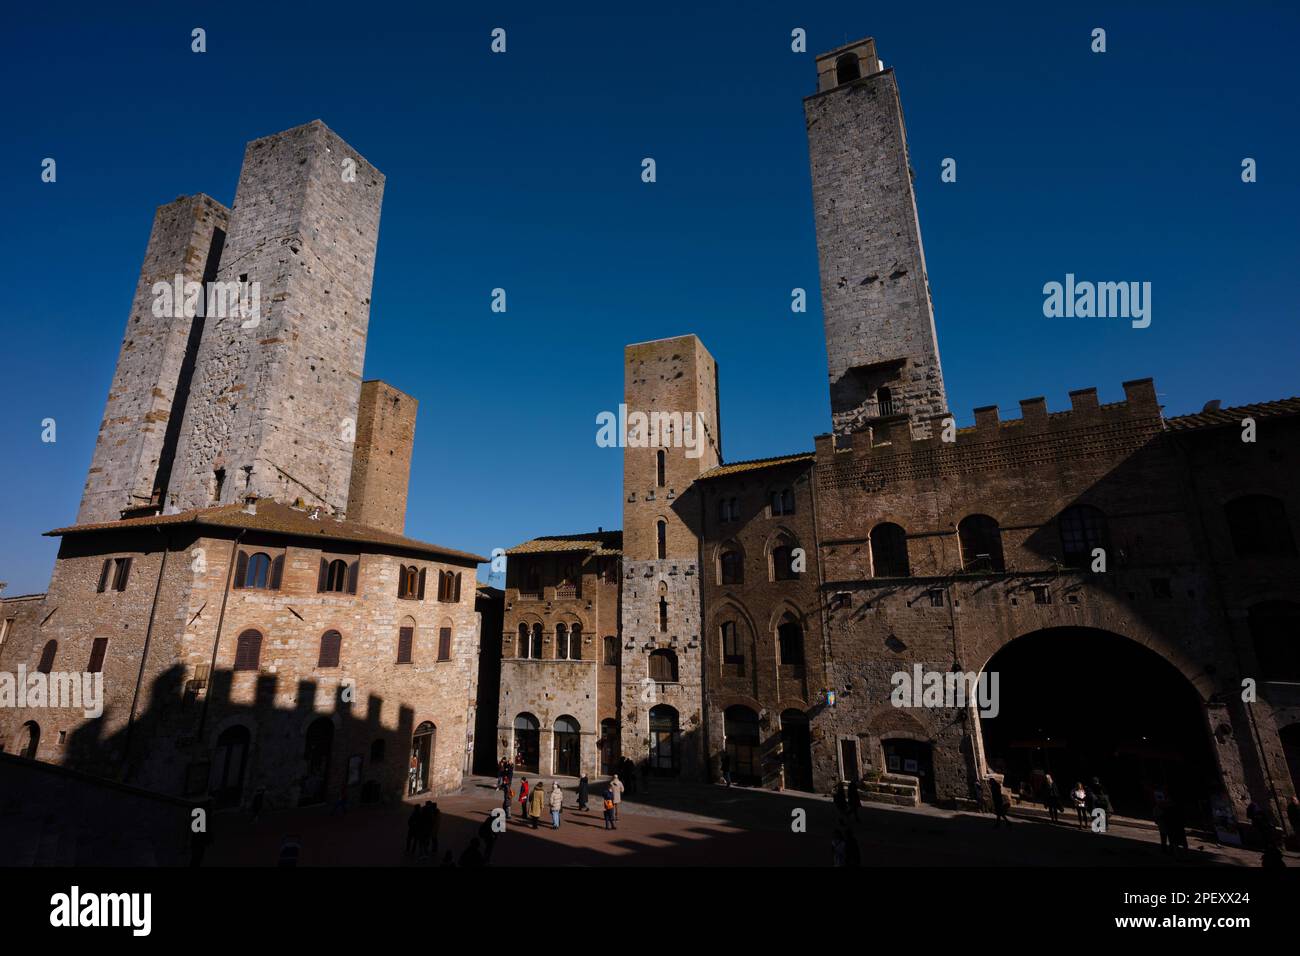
(523, 171)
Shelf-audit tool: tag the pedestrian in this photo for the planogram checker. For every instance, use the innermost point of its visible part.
(536, 805)
(507, 796)
(999, 803)
(523, 798)
(488, 835)
(855, 799)
(841, 800)
(616, 786)
(1080, 798)
(501, 772)
(413, 830)
(582, 793)
(1051, 797)
(472, 856)
(510, 774)
(1100, 800)
(608, 804)
(839, 848)
(852, 852)
(726, 768)
(557, 804)
(432, 824)
(628, 770)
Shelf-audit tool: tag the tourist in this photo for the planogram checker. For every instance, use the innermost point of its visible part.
(855, 799)
(616, 787)
(536, 805)
(582, 792)
(523, 798)
(1051, 797)
(628, 770)
(1080, 798)
(501, 772)
(726, 768)
(507, 796)
(557, 804)
(999, 803)
(609, 806)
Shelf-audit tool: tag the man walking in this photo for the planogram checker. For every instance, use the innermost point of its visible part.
(616, 788)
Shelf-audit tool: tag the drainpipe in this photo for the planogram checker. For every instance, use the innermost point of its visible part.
(144, 656)
(216, 640)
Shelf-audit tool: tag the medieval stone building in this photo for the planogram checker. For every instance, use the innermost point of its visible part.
(239, 573)
(1130, 579)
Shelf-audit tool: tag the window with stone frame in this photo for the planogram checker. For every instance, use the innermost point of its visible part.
(782, 501)
(331, 646)
(981, 544)
(575, 641)
(783, 560)
(889, 551)
(1083, 530)
(257, 570)
(410, 583)
(789, 637)
(732, 651)
(731, 567)
(611, 650)
(406, 642)
(248, 651)
(338, 575)
(444, 643)
(561, 642)
(663, 666)
(98, 649)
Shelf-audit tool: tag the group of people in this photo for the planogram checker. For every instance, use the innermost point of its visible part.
(422, 829)
(1084, 800)
(534, 799)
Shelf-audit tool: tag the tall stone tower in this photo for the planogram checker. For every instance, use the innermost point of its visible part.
(882, 353)
(137, 438)
(669, 382)
(381, 464)
(273, 405)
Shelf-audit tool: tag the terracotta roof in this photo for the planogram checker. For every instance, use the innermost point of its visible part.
(278, 518)
(601, 542)
(1234, 415)
(755, 464)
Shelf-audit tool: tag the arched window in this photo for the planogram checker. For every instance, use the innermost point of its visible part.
(847, 68)
(1259, 526)
(575, 642)
(732, 651)
(659, 471)
(889, 551)
(611, 650)
(567, 753)
(663, 740)
(406, 640)
(258, 574)
(333, 575)
(663, 666)
(410, 583)
(521, 648)
(1275, 632)
(661, 539)
(783, 501)
(731, 568)
(537, 642)
(331, 644)
(248, 651)
(663, 615)
(1083, 529)
(789, 639)
(783, 560)
(561, 642)
(47, 657)
(981, 544)
(884, 401)
(29, 740)
(422, 751)
(527, 742)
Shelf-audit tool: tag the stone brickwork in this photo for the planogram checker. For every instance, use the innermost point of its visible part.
(137, 437)
(273, 405)
(875, 292)
(381, 461)
(172, 690)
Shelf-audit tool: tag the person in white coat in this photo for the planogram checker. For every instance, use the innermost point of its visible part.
(557, 804)
(616, 785)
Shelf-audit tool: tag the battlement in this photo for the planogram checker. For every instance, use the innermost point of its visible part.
(1138, 415)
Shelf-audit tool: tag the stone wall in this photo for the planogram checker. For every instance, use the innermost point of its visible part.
(381, 461)
(146, 401)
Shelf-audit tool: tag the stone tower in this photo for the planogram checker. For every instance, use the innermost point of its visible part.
(137, 438)
(673, 436)
(273, 405)
(381, 464)
(882, 353)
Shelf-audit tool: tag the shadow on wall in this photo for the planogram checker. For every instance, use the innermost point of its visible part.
(196, 743)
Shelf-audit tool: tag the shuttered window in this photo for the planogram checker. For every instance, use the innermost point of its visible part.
(103, 575)
(248, 651)
(405, 640)
(97, 651)
(121, 571)
(444, 643)
(47, 657)
(331, 643)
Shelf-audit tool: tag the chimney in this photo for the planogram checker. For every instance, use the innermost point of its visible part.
(250, 505)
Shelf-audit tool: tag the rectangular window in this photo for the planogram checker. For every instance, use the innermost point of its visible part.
(121, 571)
(1042, 594)
(936, 597)
(611, 651)
(97, 651)
(405, 639)
(444, 643)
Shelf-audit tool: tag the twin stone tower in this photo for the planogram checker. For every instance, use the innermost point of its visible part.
(258, 393)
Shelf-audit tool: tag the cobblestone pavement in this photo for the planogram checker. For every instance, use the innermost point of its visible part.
(681, 824)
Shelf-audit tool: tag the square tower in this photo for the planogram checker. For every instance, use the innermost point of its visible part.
(142, 417)
(673, 437)
(273, 406)
(381, 463)
(881, 348)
